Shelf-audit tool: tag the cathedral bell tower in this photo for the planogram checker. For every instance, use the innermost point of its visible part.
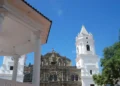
(85, 42)
(86, 59)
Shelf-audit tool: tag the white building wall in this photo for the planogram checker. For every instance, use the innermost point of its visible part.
(87, 81)
(6, 73)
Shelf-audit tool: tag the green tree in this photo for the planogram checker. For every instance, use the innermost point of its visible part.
(98, 79)
(111, 66)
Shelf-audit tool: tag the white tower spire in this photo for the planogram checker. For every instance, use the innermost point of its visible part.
(86, 59)
(83, 30)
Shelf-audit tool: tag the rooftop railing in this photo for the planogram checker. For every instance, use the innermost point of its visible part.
(4, 82)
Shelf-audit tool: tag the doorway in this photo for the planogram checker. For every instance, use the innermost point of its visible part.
(92, 85)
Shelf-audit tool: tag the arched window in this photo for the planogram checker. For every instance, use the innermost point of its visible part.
(76, 77)
(91, 72)
(88, 47)
(51, 78)
(72, 77)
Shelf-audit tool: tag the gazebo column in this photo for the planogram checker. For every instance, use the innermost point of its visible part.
(15, 67)
(37, 60)
(1, 21)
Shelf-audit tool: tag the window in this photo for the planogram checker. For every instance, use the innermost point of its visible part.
(11, 67)
(91, 72)
(76, 77)
(51, 77)
(55, 77)
(88, 47)
(72, 77)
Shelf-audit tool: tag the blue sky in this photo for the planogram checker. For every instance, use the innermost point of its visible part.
(100, 17)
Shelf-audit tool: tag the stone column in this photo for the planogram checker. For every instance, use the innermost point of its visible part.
(67, 76)
(62, 75)
(15, 67)
(37, 60)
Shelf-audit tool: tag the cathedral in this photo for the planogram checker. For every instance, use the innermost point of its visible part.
(56, 70)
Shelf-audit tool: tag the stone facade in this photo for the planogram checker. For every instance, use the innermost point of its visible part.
(56, 70)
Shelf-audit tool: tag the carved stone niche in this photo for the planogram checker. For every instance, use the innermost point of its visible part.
(53, 63)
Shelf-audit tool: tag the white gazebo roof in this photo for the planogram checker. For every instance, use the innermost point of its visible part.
(19, 21)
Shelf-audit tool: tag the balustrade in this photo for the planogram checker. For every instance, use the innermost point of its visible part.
(4, 82)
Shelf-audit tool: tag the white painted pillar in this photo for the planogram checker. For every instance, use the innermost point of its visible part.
(15, 67)
(1, 21)
(37, 61)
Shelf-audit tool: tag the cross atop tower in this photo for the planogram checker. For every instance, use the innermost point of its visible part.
(53, 50)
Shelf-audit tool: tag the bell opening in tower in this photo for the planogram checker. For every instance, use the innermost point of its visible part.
(91, 72)
(11, 67)
(88, 47)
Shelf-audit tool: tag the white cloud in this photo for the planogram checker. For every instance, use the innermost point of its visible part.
(60, 12)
